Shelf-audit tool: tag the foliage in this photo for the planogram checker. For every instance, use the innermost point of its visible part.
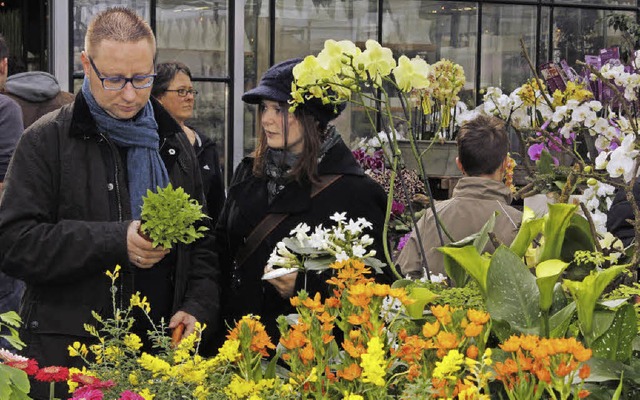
(169, 216)
(11, 321)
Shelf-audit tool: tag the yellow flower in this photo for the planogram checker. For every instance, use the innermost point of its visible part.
(229, 351)
(154, 364)
(133, 379)
(376, 60)
(132, 341)
(373, 362)
(73, 371)
(349, 396)
(239, 388)
(77, 349)
(115, 274)
(449, 365)
(146, 394)
(412, 74)
(136, 301)
(201, 393)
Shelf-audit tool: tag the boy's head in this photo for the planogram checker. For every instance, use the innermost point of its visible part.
(483, 145)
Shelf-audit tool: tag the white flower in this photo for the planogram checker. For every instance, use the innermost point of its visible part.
(601, 160)
(8, 356)
(364, 223)
(300, 231)
(358, 251)
(342, 256)
(339, 217)
(353, 227)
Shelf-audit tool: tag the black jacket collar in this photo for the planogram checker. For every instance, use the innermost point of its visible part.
(83, 124)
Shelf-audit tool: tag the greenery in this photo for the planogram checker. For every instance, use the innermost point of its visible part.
(169, 216)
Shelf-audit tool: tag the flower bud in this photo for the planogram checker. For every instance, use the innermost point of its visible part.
(592, 182)
(588, 169)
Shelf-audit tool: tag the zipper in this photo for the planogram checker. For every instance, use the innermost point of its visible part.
(117, 184)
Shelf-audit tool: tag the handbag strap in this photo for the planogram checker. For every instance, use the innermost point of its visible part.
(272, 220)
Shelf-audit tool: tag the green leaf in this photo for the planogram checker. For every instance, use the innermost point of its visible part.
(473, 263)
(483, 236)
(547, 273)
(545, 164)
(586, 294)
(556, 224)
(618, 392)
(422, 297)
(512, 293)
(318, 264)
(577, 237)
(560, 321)
(529, 229)
(615, 343)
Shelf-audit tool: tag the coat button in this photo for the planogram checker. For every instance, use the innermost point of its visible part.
(172, 152)
(34, 325)
(109, 186)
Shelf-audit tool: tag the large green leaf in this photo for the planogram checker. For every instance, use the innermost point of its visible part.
(472, 261)
(512, 293)
(557, 221)
(529, 229)
(483, 236)
(586, 294)
(615, 343)
(547, 274)
(577, 236)
(560, 321)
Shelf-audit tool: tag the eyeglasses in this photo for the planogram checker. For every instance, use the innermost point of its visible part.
(119, 82)
(183, 92)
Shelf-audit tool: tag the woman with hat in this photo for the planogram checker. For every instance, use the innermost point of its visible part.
(301, 171)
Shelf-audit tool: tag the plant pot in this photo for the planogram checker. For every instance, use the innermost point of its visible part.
(438, 158)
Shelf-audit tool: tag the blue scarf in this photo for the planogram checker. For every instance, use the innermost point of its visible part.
(145, 167)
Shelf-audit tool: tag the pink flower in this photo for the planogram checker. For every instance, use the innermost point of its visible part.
(397, 208)
(129, 395)
(403, 241)
(87, 393)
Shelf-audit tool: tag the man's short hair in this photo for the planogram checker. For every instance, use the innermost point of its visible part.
(4, 49)
(119, 24)
(482, 145)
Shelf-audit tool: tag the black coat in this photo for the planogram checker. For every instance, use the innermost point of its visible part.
(212, 183)
(620, 212)
(246, 206)
(63, 223)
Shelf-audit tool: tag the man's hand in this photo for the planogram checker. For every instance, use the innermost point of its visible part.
(285, 285)
(141, 252)
(188, 320)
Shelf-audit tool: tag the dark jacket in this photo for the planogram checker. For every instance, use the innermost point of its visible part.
(37, 93)
(212, 183)
(620, 212)
(63, 223)
(246, 206)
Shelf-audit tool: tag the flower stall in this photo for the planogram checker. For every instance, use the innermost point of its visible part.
(553, 315)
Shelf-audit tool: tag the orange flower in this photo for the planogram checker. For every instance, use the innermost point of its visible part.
(581, 354)
(260, 341)
(525, 363)
(511, 345)
(442, 313)
(472, 352)
(401, 295)
(307, 354)
(296, 338)
(350, 373)
(543, 374)
(355, 334)
(295, 301)
(359, 319)
(529, 342)
(326, 339)
(355, 351)
(314, 304)
(381, 290)
(478, 317)
(430, 329)
(585, 371)
(447, 340)
(583, 393)
(413, 372)
(472, 330)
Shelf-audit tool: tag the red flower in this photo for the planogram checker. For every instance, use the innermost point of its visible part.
(29, 366)
(52, 374)
(87, 393)
(92, 381)
(129, 395)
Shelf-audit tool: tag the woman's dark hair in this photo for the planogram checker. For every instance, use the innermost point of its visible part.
(165, 72)
(312, 133)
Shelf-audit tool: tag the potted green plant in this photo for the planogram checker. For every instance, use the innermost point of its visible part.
(170, 216)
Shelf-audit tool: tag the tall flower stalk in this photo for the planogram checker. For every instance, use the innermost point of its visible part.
(370, 78)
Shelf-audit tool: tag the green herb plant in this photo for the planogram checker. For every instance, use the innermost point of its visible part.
(170, 215)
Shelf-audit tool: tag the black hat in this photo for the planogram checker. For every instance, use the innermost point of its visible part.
(275, 85)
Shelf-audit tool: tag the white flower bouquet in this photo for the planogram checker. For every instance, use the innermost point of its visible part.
(315, 251)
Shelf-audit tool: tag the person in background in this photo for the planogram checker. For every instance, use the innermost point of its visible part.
(173, 88)
(620, 213)
(483, 145)
(11, 128)
(296, 154)
(73, 197)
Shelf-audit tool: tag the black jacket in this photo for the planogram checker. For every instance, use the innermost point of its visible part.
(63, 223)
(212, 183)
(246, 206)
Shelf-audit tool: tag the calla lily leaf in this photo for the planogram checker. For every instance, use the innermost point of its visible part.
(530, 228)
(556, 224)
(473, 263)
(547, 274)
(422, 297)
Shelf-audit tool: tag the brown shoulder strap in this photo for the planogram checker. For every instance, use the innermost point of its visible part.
(272, 220)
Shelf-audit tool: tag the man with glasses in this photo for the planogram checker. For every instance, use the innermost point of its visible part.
(73, 198)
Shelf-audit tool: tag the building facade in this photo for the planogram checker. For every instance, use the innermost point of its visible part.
(229, 44)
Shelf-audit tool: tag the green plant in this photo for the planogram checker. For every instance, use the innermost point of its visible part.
(169, 216)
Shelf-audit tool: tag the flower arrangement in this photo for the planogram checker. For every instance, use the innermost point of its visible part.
(374, 80)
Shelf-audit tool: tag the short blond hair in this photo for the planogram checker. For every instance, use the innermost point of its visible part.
(119, 24)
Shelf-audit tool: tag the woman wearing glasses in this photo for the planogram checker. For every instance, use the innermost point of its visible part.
(172, 86)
